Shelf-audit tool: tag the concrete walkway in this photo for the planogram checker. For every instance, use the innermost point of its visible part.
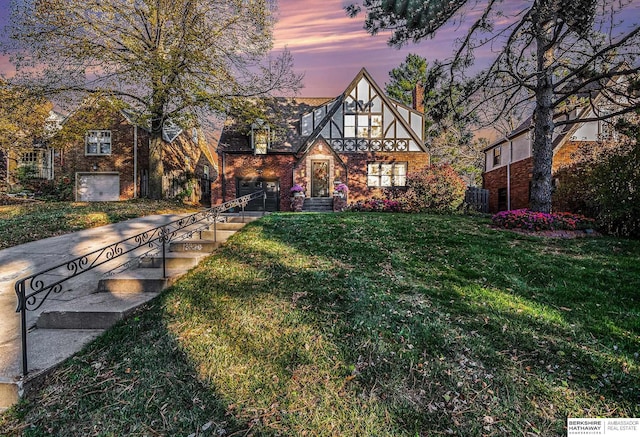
(20, 261)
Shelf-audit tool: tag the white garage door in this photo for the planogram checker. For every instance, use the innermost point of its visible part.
(97, 187)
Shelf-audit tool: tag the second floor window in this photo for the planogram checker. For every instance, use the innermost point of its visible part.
(98, 142)
(497, 160)
(362, 126)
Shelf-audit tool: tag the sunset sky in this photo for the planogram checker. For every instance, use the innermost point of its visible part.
(330, 48)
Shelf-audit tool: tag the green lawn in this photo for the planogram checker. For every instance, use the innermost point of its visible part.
(34, 221)
(365, 325)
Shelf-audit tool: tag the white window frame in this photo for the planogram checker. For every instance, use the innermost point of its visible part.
(385, 174)
(497, 156)
(360, 121)
(98, 135)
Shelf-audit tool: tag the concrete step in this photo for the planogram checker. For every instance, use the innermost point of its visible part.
(228, 226)
(95, 311)
(318, 204)
(47, 349)
(318, 201)
(174, 260)
(238, 219)
(139, 281)
(220, 237)
(194, 245)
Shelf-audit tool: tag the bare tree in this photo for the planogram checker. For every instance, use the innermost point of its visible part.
(558, 54)
(167, 59)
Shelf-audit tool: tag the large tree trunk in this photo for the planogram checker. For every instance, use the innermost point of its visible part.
(156, 166)
(542, 150)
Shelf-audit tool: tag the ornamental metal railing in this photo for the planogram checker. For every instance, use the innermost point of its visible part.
(34, 289)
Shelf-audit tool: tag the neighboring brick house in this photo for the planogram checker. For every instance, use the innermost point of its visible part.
(36, 162)
(104, 153)
(361, 138)
(508, 161)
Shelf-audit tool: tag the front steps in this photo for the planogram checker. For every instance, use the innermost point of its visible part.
(318, 204)
(63, 328)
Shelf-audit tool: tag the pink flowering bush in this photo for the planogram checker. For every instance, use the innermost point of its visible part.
(376, 205)
(538, 221)
(342, 188)
(297, 188)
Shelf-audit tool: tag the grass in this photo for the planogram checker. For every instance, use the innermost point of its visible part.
(26, 222)
(365, 324)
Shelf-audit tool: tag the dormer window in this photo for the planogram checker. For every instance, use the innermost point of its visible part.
(260, 137)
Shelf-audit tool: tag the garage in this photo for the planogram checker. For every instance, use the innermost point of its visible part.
(97, 187)
(271, 187)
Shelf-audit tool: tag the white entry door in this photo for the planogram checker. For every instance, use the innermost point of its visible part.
(97, 187)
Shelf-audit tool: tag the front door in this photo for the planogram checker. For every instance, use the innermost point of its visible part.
(319, 178)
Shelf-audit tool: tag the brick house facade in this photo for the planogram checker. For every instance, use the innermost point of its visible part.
(104, 154)
(509, 165)
(361, 138)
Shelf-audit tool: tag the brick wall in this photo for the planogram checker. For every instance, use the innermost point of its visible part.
(72, 159)
(245, 166)
(181, 156)
(357, 170)
(565, 155)
(520, 177)
(288, 168)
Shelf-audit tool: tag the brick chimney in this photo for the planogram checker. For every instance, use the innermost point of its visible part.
(417, 96)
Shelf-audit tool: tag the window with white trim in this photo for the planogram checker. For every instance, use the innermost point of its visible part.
(497, 156)
(387, 174)
(361, 119)
(98, 142)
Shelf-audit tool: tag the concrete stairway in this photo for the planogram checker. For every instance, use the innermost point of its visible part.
(64, 327)
(318, 204)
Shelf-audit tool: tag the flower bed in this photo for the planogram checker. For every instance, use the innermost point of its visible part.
(378, 205)
(527, 220)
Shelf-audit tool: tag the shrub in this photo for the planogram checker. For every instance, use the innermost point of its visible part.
(602, 182)
(377, 205)
(437, 188)
(539, 221)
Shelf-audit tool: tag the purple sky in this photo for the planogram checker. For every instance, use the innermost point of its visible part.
(330, 48)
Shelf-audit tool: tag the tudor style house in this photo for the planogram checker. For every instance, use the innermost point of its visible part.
(104, 152)
(508, 161)
(361, 138)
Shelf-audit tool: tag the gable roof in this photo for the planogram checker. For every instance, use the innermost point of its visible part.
(284, 116)
(593, 90)
(391, 104)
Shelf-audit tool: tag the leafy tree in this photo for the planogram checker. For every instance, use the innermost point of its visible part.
(167, 59)
(557, 54)
(447, 129)
(411, 72)
(22, 118)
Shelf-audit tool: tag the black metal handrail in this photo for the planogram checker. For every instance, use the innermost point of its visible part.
(34, 289)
